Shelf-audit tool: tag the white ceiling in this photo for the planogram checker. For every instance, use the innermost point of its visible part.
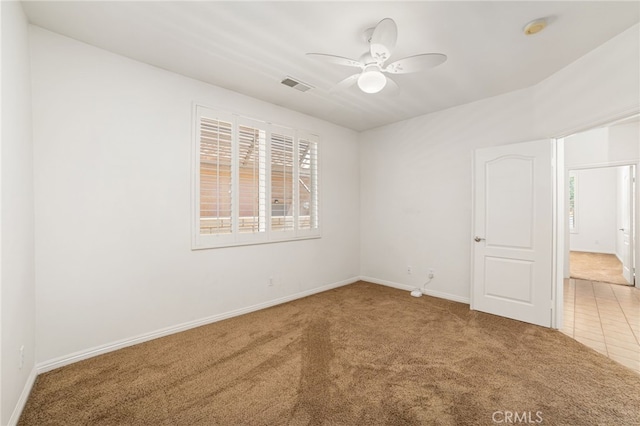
(249, 47)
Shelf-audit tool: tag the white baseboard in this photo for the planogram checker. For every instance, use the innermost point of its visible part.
(593, 251)
(22, 401)
(434, 293)
(45, 366)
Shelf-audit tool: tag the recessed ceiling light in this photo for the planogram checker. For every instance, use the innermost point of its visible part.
(535, 26)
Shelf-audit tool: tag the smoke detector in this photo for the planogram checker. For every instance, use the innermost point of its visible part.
(535, 26)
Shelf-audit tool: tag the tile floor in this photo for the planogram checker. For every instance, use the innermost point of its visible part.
(605, 317)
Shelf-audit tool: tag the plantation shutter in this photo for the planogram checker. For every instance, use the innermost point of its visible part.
(256, 182)
(308, 183)
(252, 179)
(282, 179)
(215, 176)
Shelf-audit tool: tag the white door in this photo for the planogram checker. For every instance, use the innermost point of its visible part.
(513, 226)
(626, 204)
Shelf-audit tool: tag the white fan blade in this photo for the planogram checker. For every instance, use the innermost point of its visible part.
(333, 59)
(383, 39)
(416, 63)
(345, 84)
(391, 88)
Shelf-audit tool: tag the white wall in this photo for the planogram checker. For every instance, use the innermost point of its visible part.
(416, 190)
(624, 140)
(113, 145)
(598, 88)
(602, 146)
(416, 175)
(17, 283)
(596, 212)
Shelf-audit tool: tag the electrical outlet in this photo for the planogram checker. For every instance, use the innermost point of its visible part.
(270, 281)
(21, 357)
(408, 270)
(432, 273)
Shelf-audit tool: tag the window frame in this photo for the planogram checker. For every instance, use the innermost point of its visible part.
(235, 238)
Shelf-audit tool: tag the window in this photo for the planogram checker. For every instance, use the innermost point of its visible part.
(573, 188)
(255, 182)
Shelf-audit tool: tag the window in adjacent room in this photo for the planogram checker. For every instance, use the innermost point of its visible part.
(573, 187)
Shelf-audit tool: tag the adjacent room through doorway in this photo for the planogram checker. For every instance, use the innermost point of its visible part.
(601, 224)
(601, 303)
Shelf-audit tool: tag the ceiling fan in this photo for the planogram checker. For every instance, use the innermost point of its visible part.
(372, 79)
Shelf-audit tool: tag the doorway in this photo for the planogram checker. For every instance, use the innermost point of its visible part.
(601, 224)
(597, 185)
(597, 196)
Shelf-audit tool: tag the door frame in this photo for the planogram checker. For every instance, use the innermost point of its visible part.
(561, 215)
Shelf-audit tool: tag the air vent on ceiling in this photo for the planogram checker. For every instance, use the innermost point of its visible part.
(298, 85)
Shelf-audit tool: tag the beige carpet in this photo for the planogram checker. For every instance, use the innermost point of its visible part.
(596, 267)
(362, 354)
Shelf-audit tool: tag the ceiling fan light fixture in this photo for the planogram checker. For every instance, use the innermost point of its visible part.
(372, 80)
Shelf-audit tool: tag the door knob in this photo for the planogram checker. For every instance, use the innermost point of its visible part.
(478, 239)
(621, 229)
